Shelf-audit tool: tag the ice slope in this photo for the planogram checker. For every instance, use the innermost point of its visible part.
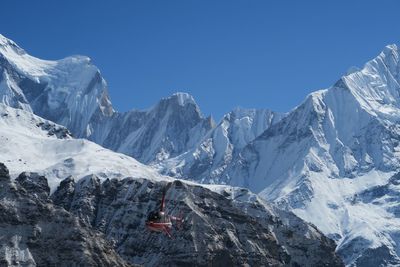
(338, 144)
(210, 157)
(72, 92)
(28, 142)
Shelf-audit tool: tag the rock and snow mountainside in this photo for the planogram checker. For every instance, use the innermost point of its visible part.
(34, 232)
(236, 228)
(69, 91)
(209, 159)
(168, 129)
(233, 227)
(333, 161)
(72, 92)
(112, 193)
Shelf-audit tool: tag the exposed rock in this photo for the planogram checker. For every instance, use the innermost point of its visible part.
(65, 193)
(4, 173)
(33, 232)
(34, 184)
(218, 229)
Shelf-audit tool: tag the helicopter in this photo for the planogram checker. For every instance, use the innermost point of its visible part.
(159, 221)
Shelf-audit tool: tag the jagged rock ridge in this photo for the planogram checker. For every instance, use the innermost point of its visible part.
(232, 227)
(34, 232)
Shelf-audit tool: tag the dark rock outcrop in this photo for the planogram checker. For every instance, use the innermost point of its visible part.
(219, 229)
(34, 232)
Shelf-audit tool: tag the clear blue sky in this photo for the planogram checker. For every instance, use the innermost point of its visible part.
(262, 54)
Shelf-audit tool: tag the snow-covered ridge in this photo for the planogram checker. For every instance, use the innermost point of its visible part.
(38, 68)
(23, 62)
(69, 91)
(25, 144)
(376, 86)
(340, 142)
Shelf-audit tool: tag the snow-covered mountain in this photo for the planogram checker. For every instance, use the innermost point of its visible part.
(332, 160)
(209, 159)
(168, 129)
(104, 191)
(72, 92)
(69, 91)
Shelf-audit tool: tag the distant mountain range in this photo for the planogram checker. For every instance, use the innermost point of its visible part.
(333, 160)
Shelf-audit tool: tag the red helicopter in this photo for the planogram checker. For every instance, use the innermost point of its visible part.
(159, 221)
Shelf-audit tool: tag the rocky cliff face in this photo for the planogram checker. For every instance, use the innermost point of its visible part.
(35, 232)
(231, 227)
(224, 226)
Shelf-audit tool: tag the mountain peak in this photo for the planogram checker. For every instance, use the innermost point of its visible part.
(183, 98)
(389, 49)
(179, 99)
(5, 41)
(8, 46)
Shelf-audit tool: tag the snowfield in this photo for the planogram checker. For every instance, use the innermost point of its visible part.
(26, 146)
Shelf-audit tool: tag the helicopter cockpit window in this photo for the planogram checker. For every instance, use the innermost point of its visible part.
(153, 216)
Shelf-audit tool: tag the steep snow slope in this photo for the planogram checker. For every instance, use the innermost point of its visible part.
(28, 142)
(72, 92)
(339, 143)
(215, 151)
